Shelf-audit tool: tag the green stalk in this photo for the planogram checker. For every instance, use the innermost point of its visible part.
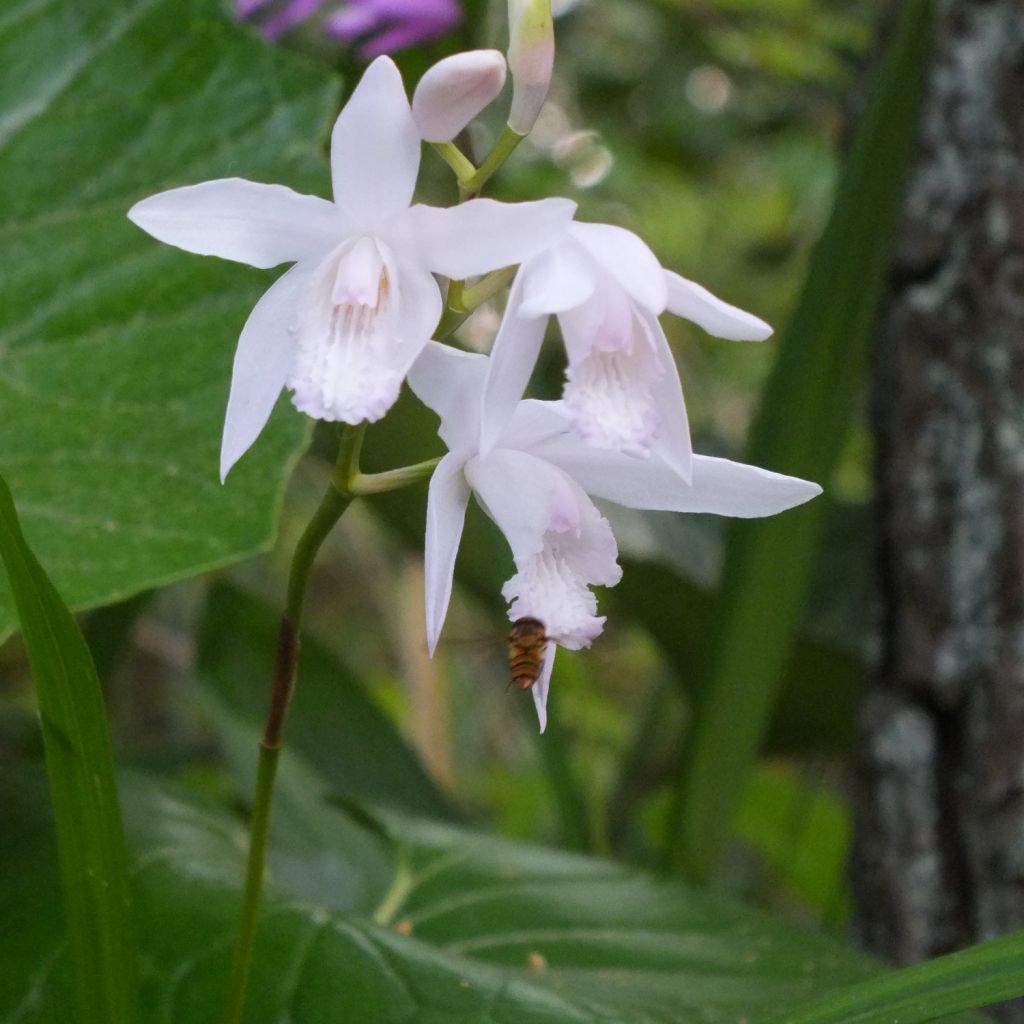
(470, 187)
(346, 484)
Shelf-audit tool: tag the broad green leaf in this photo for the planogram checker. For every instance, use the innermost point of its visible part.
(471, 928)
(332, 721)
(117, 350)
(808, 408)
(79, 766)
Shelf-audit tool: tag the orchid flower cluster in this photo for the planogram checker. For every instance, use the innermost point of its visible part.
(354, 317)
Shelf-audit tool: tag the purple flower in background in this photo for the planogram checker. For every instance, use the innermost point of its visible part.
(380, 26)
(388, 25)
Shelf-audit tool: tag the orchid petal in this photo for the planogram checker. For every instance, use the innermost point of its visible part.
(628, 259)
(483, 235)
(533, 423)
(694, 302)
(421, 305)
(525, 496)
(263, 359)
(543, 684)
(673, 443)
(447, 498)
(719, 486)
(375, 147)
(235, 219)
(450, 382)
(511, 363)
(557, 279)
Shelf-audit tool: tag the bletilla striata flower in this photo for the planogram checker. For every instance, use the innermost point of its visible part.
(535, 482)
(622, 390)
(343, 326)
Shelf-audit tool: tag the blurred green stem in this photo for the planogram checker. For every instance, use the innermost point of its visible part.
(346, 484)
(470, 187)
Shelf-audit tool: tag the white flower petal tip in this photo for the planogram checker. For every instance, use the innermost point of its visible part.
(694, 302)
(375, 147)
(262, 362)
(531, 60)
(543, 685)
(482, 235)
(244, 221)
(455, 90)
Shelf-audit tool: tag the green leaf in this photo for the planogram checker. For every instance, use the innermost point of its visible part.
(117, 350)
(978, 976)
(472, 928)
(807, 412)
(93, 865)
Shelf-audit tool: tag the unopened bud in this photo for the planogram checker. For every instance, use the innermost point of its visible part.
(531, 57)
(455, 90)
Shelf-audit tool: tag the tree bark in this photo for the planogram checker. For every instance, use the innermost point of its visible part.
(939, 857)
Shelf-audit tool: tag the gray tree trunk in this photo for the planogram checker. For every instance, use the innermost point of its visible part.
(939, 859)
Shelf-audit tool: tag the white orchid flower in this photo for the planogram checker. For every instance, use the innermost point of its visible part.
(535, 481)
(622, 389)
(343, 326)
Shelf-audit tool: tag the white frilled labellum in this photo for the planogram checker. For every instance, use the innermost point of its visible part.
(613, 366)
(455, 90)
(531, 60)
(560, 543)
(350, 360)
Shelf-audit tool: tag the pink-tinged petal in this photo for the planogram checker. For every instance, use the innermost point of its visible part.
(447, 498)
(484, 235)
(263, 360)
(452, 92)
(526, 497)
(543, 684)
(673, 442)
(450, 382)
(719, 487)
(558, 279)
(628, 259)
(235, 219)
(512, 360)
(375, 148)
(688, 299)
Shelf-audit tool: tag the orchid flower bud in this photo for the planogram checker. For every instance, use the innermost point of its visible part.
(455, 90)
(531, 57)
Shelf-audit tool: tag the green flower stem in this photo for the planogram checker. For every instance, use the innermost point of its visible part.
(486, 288)
(392, 479)
(470, 185)
(455, 159)
(462, 301)
(347, 483)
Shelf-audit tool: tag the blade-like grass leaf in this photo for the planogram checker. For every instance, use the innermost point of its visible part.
(971, 978)
(810, 403)
(79, 765)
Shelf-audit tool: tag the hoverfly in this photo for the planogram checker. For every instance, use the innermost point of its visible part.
(527, 642)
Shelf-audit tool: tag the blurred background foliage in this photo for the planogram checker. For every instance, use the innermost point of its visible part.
(713, 128)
